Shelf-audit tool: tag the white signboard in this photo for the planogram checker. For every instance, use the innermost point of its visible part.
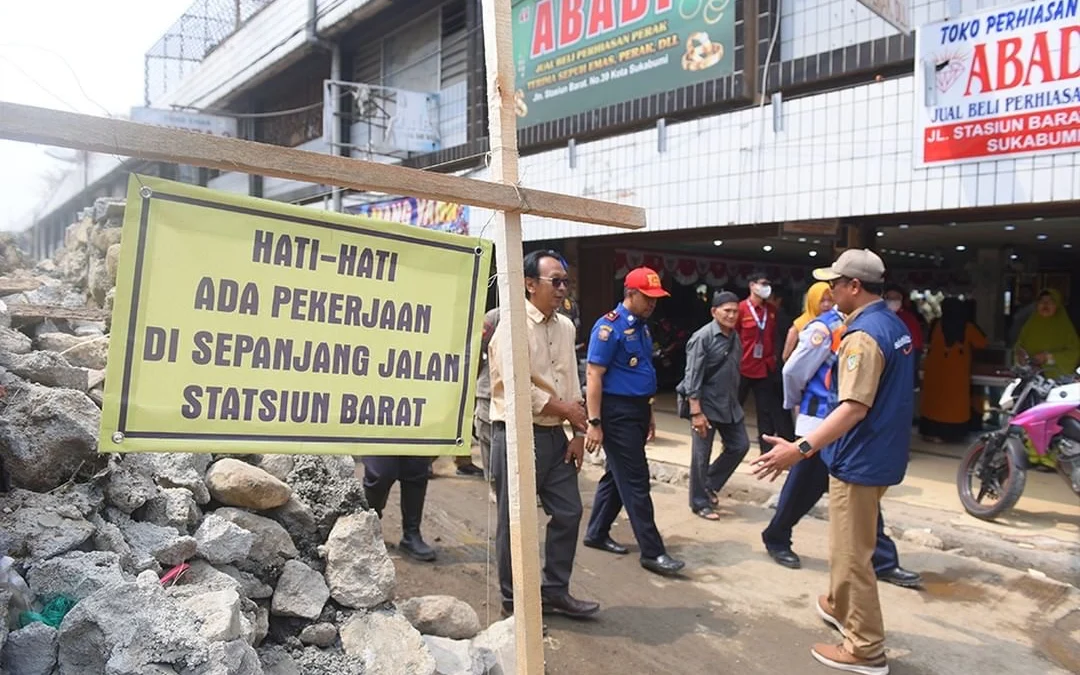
(215, 125)
(998, 84)
(896, 12)
(412, 122)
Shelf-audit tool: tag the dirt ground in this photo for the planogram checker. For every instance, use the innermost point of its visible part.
(735, 611)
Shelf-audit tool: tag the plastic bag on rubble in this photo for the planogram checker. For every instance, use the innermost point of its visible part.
(21, 597)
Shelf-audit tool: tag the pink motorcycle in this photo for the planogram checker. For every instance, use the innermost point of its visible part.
(992, 474)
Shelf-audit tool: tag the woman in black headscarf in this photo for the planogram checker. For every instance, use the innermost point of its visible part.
(945, 415)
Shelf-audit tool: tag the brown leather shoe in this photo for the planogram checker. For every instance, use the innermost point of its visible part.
(822, 607)
(570, 606)
(835, 656)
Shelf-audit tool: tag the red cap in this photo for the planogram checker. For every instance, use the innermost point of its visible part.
(647, 281)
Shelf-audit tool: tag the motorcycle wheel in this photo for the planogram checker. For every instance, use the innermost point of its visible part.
(999, 486)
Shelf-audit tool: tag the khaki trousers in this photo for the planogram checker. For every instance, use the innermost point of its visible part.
(853, 591)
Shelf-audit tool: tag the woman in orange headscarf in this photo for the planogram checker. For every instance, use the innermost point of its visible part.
(818, 301)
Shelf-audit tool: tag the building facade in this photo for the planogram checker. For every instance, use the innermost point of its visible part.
(755, 133)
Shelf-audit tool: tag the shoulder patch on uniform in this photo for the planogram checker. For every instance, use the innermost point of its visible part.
(566, 304)
(853, 361)
(817, 338)
(604, 332)
(612, 315)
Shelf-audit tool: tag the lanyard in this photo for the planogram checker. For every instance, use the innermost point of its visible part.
(759, 321)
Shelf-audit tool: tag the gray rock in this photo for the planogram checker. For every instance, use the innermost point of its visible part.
(261, 626)
(300, 592)
(319, 634)
(221, 542)
(298, 519)
(31, 650)
(48, 435)
(129, 486)
(228, 658)
(319, 482)
(97, 280)
(272, 543)
(125, 629)
(41, 526)
(50, 369)
(441, 615)
(92, 352)
(112, 263)
(496, 644)
(278, 466)
(387, 643)
(5, 603)
(358, 570)
(14, 342)
(276, 661)
(180, 470)
(202, 577)
(458, 657)
(148, 578)
(250, 586)
(172, 507)
(163, 544)
(236, 483)
(220, 614)
(108, 537)
(315, 661)
(76, 574)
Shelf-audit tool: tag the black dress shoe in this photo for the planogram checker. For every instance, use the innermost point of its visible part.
(786, 558)
(470, 471)
(664, 565)
(609, 545)
(569, 606)
(901, 577)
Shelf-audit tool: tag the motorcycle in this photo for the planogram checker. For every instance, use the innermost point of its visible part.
(1041, 412)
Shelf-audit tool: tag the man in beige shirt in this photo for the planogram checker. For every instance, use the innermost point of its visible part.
(556, 397)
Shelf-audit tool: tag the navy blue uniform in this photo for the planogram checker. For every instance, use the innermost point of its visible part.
(621, 343)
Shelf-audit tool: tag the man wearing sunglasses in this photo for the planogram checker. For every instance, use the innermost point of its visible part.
(556, 397)
(864, 442)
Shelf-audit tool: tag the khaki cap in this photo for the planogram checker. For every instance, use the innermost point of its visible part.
(854, 263)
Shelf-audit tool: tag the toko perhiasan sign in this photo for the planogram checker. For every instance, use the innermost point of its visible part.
(1006, 83)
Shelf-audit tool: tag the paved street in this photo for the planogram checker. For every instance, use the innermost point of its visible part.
(738, 612)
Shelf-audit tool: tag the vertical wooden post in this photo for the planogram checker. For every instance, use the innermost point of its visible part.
(521, 468)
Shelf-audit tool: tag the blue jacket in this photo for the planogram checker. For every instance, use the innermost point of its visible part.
(876, 451)
(819, 398)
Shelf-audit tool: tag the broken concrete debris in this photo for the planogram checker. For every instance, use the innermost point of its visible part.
(181, 563)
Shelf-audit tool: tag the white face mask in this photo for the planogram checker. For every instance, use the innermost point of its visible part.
(894, 305)
(764, 291)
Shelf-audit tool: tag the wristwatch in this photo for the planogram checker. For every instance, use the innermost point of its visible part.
(594, 422)
(805, 448)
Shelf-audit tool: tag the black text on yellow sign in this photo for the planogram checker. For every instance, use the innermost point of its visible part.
(243, 325)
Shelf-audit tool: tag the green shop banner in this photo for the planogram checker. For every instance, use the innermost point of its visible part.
(571, 56)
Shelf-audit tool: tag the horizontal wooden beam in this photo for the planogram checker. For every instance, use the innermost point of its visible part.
(121, 137)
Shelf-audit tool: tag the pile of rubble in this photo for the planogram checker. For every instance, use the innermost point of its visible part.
(179, 563)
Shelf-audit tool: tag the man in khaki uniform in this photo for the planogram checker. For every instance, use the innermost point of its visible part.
(864, 442)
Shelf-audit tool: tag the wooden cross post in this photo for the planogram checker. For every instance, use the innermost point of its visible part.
(503, 195)
(520, 453)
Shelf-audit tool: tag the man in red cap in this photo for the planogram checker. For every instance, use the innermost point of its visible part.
(620, 385)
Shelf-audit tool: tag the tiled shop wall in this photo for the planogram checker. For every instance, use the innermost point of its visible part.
(843, 153)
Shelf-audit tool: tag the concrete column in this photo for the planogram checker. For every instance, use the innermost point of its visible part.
(989, 291)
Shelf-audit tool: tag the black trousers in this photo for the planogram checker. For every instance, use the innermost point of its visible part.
(557, 486)
(380, 473)
(806, 482)
(626, 481)
(705, 477)
(772, 419)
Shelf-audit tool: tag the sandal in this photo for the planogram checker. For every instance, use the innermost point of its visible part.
(707, 513)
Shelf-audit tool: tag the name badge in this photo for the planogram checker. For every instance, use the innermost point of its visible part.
(759, 350)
